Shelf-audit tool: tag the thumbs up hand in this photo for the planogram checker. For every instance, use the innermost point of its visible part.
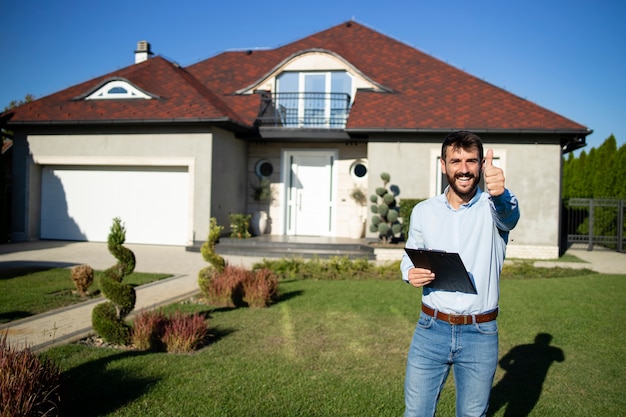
(494, 176)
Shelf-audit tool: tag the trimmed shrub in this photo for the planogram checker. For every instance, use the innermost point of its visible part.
(184, 333)
(178, 333)
(335, 268)
(216, 262)
(224, 289)
(106, 323)
(108, 318)
(260, 288)
(406, 208)
(239, 225)
(29, 385)
(239, 287)
(148, 330)
(82, 276)
(385, 218)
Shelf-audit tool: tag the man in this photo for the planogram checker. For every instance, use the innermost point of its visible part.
(455, 328)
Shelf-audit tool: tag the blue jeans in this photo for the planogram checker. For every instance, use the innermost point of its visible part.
(437, 345)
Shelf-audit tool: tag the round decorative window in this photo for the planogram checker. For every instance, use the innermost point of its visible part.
(358, 169)
(263, 168)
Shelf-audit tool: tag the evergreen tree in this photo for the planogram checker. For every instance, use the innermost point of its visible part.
(603, 169)
(568, 186)
(620, 172)
(577, 170)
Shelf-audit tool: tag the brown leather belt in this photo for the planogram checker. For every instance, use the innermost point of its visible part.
(460, 318)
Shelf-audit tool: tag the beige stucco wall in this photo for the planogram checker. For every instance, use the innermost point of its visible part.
(533, 174)
(226, 183)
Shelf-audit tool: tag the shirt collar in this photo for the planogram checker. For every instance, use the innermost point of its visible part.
(473, 201)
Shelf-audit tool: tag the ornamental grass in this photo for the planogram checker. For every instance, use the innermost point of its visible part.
(29, 385)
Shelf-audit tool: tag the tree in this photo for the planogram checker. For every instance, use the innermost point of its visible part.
(16, 103)
(603, 169)
(620, 172)
(597, 174)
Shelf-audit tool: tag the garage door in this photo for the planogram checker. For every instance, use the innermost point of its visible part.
(79, 203)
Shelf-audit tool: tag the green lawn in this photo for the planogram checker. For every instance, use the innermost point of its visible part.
(24, 293)
(338, 348)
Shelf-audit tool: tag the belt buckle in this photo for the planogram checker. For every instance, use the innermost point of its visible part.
(454, 317)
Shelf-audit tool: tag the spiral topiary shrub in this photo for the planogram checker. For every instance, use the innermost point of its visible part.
(216, 263)
(385, 219)
(108, 318)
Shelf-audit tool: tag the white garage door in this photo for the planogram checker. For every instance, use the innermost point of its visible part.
(79, 203)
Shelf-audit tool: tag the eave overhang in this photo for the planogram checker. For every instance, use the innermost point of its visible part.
(303, 135)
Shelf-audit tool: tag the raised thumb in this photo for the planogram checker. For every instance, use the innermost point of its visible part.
(489, 158)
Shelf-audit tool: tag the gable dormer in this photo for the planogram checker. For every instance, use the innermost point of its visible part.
(311, 89)
(117, 89)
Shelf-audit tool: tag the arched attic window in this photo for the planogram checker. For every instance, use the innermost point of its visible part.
(117, 89)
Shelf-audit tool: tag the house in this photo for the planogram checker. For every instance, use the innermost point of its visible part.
(166, 147)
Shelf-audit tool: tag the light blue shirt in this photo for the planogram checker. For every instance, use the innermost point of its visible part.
(479, 232)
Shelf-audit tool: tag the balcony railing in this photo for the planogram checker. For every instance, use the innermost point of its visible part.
(304, 110)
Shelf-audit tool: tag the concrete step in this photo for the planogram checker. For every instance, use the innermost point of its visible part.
(278, 247)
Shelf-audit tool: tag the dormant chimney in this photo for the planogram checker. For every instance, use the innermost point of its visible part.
(143, 52)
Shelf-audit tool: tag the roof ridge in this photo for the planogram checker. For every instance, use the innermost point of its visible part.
(207, 93)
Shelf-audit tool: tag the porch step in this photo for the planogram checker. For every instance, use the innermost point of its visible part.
(292, 247)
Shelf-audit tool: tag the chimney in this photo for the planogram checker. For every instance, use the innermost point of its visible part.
(143, 52)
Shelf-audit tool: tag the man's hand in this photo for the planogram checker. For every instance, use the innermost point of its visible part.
(494, 176)
(418, 277)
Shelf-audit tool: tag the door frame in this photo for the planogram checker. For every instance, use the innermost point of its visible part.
(286, 156)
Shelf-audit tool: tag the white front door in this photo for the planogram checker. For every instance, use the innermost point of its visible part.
(310, 192)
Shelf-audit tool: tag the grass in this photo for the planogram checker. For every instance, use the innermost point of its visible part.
(24, 293)
(338, 348)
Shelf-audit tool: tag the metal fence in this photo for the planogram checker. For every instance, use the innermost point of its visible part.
(595, 222)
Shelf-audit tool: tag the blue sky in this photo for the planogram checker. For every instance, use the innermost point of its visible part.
(566, 56)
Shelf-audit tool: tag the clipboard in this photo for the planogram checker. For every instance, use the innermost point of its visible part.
(450, 273)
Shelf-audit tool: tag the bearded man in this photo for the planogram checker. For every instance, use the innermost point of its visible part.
(456, 329)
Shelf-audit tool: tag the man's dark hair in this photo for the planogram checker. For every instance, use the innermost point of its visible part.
(462, 139)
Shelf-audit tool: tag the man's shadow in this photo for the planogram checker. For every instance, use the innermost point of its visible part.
(526, 368)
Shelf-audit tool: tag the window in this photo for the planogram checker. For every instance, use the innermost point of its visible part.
(263, 168)
(358, 170)
(117, 89)
(314, 99)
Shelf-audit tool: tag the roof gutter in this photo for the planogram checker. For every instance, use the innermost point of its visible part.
(216, 120)
(582, 132)
(122, 121)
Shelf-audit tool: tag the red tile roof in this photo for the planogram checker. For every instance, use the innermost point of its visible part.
(427, 93)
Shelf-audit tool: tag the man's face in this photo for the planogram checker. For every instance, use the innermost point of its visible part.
(462, 167)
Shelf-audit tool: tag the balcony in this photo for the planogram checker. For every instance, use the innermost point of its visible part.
(304, 110)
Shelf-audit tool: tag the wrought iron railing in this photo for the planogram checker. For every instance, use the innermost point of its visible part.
(304, 110)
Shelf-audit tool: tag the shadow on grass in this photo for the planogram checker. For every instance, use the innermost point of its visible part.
(94, 389)
(288, 296)
(526, 368)
(14, 269)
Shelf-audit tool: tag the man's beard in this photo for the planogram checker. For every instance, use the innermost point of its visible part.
(461, 193)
